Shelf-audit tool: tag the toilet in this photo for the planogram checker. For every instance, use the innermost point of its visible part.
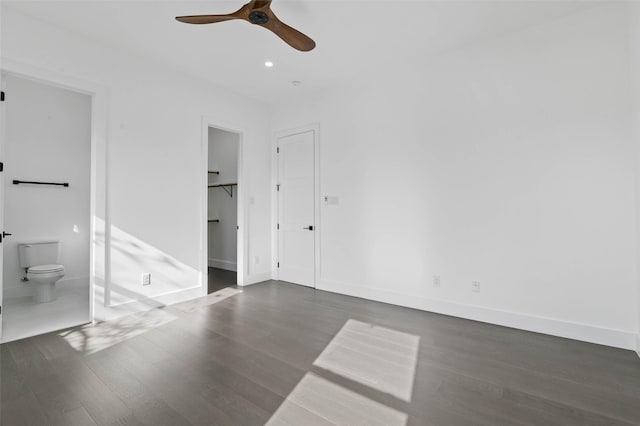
(41, 262)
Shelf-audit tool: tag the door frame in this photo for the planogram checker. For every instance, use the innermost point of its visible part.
(3, 117)
(315, 128)
(242, 219)
(99, 232)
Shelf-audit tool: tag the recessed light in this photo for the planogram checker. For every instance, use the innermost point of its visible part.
(296, 82)
(268, 64)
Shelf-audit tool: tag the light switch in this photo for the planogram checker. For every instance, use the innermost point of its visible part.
(330, 200)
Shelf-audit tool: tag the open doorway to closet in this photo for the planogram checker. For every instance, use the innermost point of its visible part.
(222, 208)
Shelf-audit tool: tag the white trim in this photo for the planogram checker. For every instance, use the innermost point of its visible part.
(227, 265)
(257, 278)
(638, 344)
(3, 120)
(315, 128)
(274, 206)
(242, 266)
(144, 304)
(98, 184)
(157, 297)
(571, 330)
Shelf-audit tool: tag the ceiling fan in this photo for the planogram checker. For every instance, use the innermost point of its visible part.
(258, 12)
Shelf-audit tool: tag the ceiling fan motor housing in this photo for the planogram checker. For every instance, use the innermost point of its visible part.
(258, 17)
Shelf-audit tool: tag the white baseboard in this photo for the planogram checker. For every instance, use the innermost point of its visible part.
(638, 345)
(106, 313)
(257, 278)
(26, 289)
(227, 265)
(587, 333)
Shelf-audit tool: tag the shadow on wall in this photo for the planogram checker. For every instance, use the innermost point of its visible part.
(130, 259)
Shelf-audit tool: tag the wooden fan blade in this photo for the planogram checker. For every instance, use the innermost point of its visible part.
(291, 36)
(260, 4)
(241, 13)
(205, 19)
(258, 12)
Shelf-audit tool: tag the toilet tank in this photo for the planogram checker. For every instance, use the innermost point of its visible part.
(39, 253)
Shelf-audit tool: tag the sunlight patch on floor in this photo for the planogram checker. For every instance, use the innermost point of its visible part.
(93, 338)
(317, 401)
(201, 302)
(380, 358)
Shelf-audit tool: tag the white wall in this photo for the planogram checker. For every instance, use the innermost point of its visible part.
(223, 236)
(507, 162)
(154, 176)
(634, 54)
(48, 138)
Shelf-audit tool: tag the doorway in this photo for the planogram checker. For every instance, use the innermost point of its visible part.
(222, 208)
(46, 184)
(297, 189)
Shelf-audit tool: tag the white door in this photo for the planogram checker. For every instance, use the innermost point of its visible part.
(296, 206)
(2, 134)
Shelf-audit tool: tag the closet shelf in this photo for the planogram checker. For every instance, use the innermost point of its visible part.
(215, 185)
(228, 187)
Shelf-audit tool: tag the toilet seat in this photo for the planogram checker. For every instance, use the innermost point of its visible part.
(44, 269)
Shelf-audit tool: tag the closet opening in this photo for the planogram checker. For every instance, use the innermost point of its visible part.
(222, 209)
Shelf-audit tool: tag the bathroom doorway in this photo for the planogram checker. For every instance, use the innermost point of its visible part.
(222, 208)
(47, 156)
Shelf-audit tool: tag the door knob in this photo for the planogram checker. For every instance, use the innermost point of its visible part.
(310, 228)
(4, 234)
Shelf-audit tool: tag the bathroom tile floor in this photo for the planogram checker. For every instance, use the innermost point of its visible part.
(23, 317)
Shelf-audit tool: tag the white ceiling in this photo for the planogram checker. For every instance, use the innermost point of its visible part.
(351, 36)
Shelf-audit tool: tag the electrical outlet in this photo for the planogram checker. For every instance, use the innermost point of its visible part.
(146, 279)
(475, 286)
(436, 280)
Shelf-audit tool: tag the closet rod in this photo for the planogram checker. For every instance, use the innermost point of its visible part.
(18, 182)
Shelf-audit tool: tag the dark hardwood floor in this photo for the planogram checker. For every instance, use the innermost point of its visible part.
(249, 359)
(220, 278)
